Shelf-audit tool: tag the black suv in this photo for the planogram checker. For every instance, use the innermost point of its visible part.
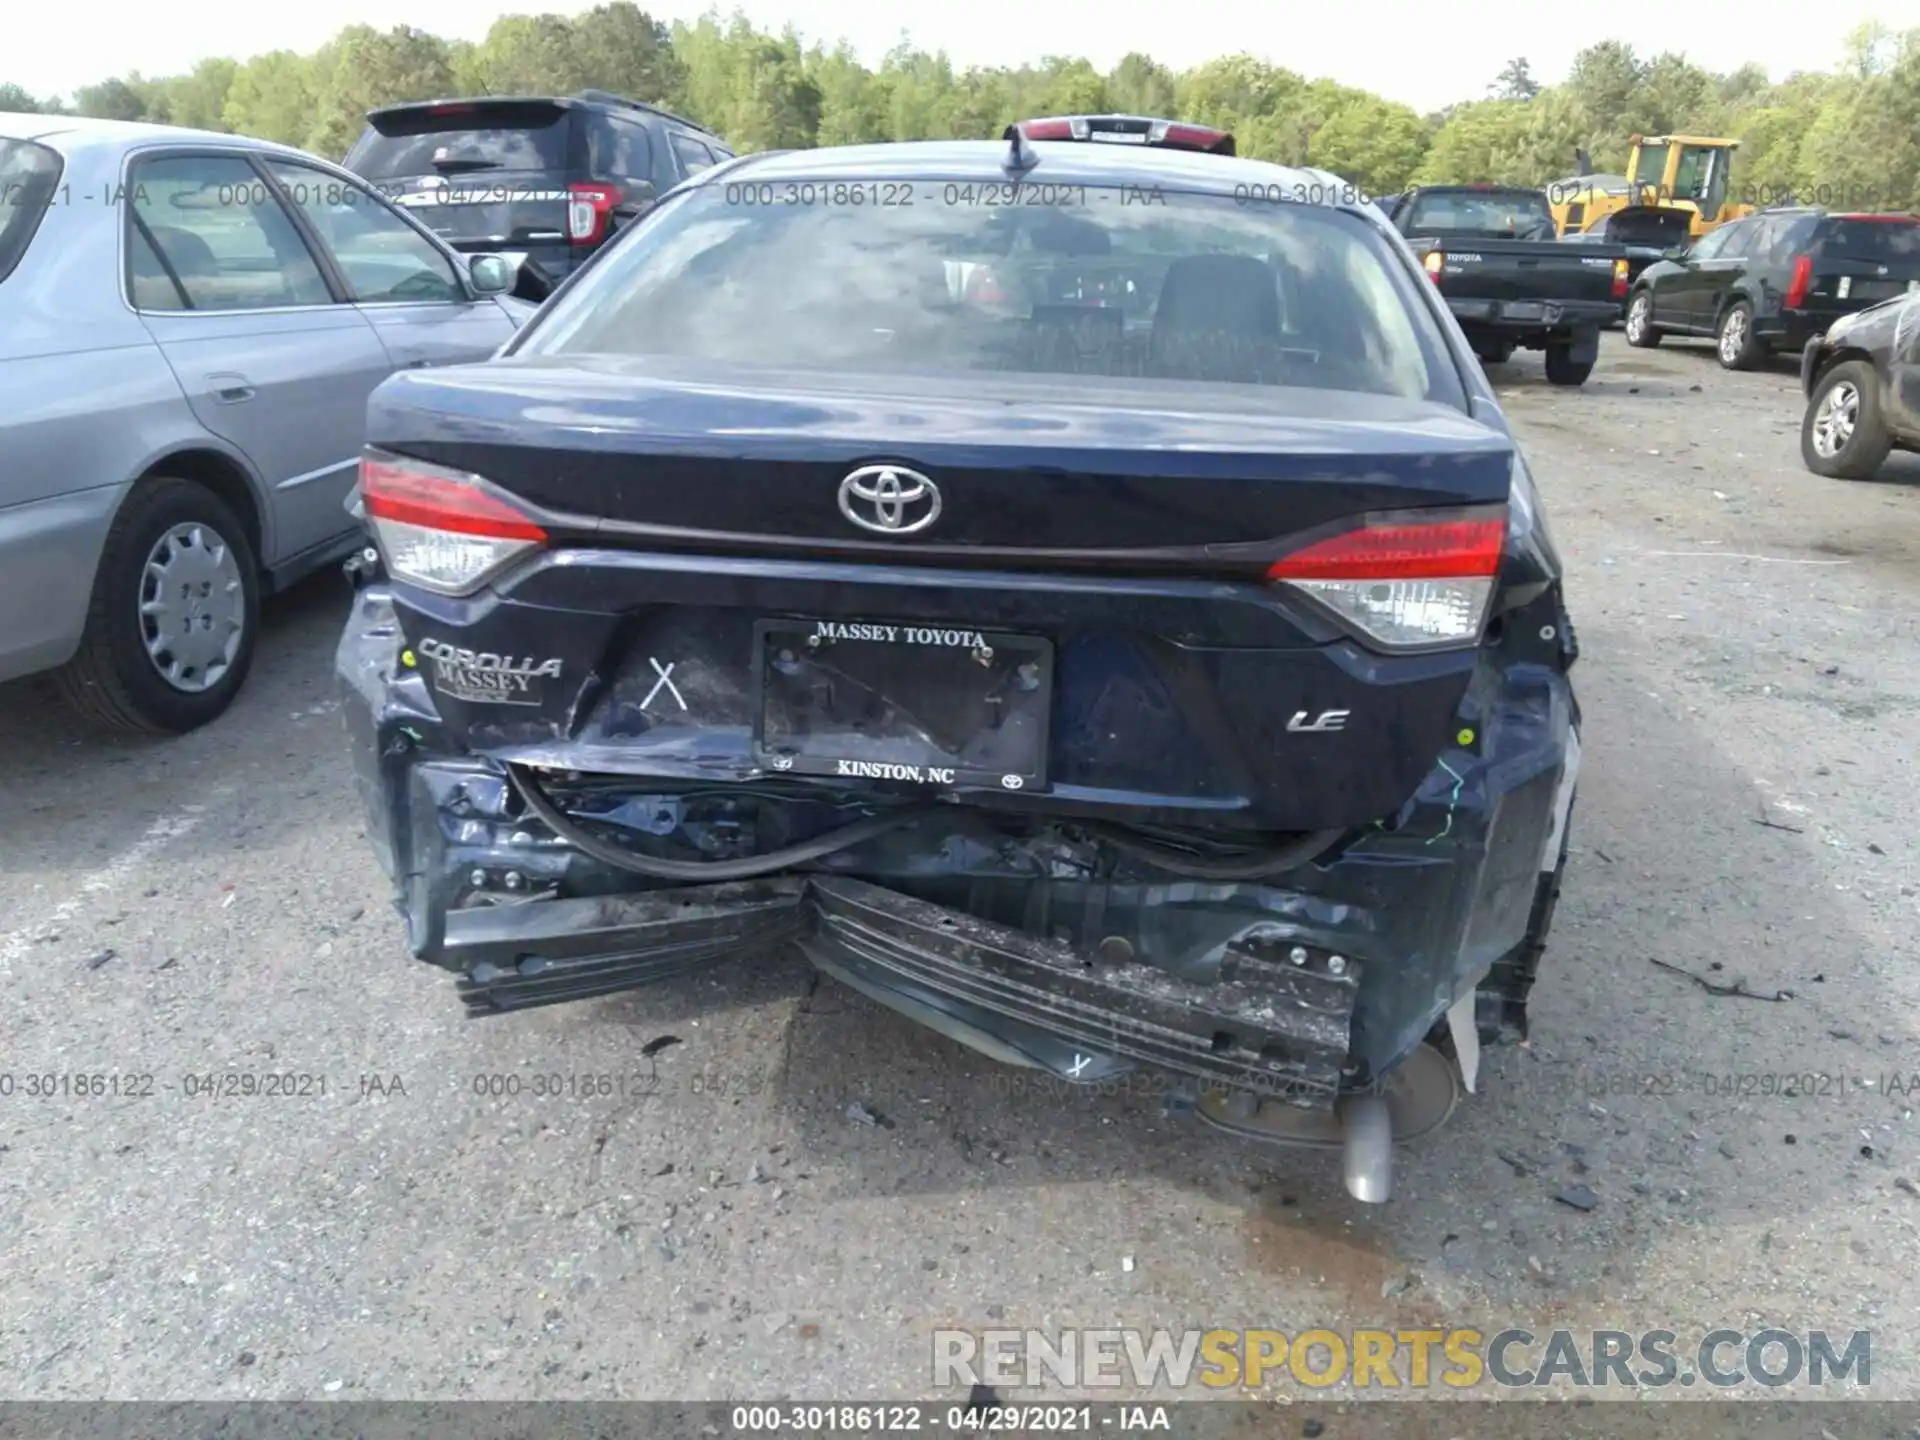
(1773, 281)
(545, 180)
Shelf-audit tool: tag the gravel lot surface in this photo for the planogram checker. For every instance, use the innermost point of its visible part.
(208, 905)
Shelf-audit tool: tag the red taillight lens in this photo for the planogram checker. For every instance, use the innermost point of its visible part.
(984, 288)
(1420, 550)
(428, 495)
(441, 529)
(1048, 130)
(1619, 279)
(588, 207)
(1404, 584)
(1801, 281)
(1197, 137)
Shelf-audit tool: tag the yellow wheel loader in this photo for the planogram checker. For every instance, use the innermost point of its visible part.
(1688, 174)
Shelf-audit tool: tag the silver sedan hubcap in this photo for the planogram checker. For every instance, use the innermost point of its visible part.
(1833, 422)
(1733, 335)
(192, 607)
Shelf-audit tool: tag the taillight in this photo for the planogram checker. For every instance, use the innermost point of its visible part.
(1405, 583)
(1433, 262)
(588, 207)
(1619, 279)
(984, 288)
(1048, 130)
(441, 529)
(1191, 137)
(1801, 281)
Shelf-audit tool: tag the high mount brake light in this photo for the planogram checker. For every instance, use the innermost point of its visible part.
(1190, 137)
(441, 529)
(1404, 584)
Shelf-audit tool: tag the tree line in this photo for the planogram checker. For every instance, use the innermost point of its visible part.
(1854, 130)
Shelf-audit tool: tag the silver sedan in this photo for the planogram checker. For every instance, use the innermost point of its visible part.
(190, 325)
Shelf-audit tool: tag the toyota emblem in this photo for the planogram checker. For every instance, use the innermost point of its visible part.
(889, 499)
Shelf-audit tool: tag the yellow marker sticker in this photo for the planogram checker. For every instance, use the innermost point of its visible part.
(406, 659)
(1465, 737)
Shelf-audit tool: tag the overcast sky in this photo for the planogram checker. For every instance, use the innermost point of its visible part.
(1426, 54)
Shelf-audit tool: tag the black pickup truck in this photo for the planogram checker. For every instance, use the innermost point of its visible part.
(1495, 254)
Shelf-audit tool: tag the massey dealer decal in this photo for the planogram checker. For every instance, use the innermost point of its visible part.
(899, 634)
(485, 678)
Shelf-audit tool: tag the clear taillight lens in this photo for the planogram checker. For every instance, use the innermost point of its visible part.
(1405, 583)
(441, 529)
(588, 207)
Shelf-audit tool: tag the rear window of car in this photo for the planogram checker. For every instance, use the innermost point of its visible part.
(29, 178)
(1512, 214)
(1102, 285)
(1882, 240)
(463, 139)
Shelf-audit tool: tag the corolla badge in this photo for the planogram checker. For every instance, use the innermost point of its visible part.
(889, 499)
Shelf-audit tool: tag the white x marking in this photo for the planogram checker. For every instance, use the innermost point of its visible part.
(664, 680)
(1080, 1062)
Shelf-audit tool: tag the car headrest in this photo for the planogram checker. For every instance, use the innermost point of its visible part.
(185, 251)
(1231, 294)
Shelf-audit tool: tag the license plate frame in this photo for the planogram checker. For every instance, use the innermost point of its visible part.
(1010, 755)
(1524, 310)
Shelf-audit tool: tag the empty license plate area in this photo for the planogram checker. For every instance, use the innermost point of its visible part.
(1525, 310)
(923, 704)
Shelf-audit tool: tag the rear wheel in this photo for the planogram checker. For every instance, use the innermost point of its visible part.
(170, 628)
(1843, 434)
(1563, 369)
(1640, 328)
(1738, 347)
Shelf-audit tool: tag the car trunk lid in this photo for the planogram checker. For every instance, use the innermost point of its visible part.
(1656, 227)
(1130, 474)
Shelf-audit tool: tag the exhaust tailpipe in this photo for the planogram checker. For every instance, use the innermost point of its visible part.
(1367, 1128)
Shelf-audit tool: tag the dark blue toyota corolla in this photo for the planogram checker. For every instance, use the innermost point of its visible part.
(1086, 598)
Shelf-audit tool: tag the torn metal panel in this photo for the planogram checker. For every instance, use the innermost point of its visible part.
(1071, 955)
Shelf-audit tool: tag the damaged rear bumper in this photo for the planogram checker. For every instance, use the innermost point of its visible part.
(1268, 1020)
(1303, 985)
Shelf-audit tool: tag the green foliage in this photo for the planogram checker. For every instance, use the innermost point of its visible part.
(22, 102)
(114, 99)
(362, 68)
(198, 99)
(1853, 132)
(1372, 142)
(1515, 81)
(1139, 86)
(273, 97)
